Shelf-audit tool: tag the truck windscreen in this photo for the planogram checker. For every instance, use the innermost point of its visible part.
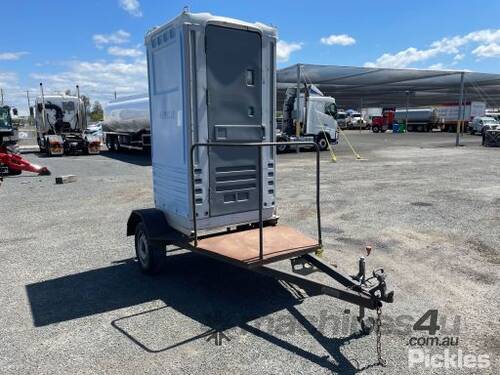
(68, 106)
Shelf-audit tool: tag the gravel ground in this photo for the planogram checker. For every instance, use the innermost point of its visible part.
(73, 301)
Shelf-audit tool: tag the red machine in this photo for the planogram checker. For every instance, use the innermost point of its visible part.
(10, 162)
(384, 122)
(15, 164)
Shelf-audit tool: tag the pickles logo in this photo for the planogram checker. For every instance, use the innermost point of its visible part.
(447, 359)
(419, 356)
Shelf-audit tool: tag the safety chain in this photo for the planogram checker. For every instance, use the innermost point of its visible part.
(378, 325)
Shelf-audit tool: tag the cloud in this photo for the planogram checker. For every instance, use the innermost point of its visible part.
(118, 37)
(98, 79)
(284, 50)
(438, 66)
(12, 55)
(487, 50)
(444, 46)
(459, 56)
(124, 52)
(132, 7)
(403, 58)
(341, 40)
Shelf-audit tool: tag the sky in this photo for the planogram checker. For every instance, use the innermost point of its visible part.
(99, 44)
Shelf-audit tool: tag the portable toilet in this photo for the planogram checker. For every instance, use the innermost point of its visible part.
(212, 80)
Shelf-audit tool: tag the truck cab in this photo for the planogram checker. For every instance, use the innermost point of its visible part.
(61, 125)
(317, 119)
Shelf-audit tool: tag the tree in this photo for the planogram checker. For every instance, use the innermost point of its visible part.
(67, 92)
(96, 114)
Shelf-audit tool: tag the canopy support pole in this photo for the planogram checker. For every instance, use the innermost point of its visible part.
(407, 104)
(299, 109)
(460, 109)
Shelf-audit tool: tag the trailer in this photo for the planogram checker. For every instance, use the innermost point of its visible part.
(419, 119)
(449, 114)
(214, 161)
(126, 123)
(61, 124)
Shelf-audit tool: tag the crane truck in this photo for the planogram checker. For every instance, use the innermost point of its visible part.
(316, 120)
(61, 124)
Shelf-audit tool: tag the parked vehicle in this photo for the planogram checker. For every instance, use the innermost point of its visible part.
(317, 118)
(419, 119)
(126, 123)
(384, 122)
(481, 124)
(341, 120)
(11, 162)
(448, 114)
(61, 124)
(355, 120)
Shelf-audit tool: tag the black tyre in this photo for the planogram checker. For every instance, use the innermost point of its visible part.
(14, 172)
(410, 128)
(282, 148)
(322, 142)
(375, 129)
(150, 258)
(472, 131)
(420, 128)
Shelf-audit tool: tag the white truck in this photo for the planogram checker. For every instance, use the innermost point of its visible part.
(448, 114)
(317, 120)
(61, 124)
(126, 123)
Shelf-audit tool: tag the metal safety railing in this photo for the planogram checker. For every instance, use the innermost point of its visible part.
(260, 146)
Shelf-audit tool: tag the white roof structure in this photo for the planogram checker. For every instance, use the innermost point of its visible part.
(385, 87)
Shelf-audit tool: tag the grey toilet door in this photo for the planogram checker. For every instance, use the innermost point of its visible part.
(234, 97)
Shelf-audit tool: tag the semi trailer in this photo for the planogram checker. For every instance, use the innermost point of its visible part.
(126, 123)
(61, 124)
(316, 120)
(449, 114)
(419, 119)
(214, 163)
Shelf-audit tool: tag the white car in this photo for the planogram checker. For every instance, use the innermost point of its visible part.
(480, 124)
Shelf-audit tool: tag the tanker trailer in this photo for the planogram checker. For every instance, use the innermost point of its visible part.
(126, 123)
(419, 119)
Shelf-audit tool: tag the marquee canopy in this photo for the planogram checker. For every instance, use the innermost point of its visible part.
(384, 87)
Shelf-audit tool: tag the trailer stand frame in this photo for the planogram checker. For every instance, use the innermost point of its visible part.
(237, 246)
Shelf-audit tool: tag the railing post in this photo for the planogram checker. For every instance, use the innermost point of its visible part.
(193, 196)
(261, 224)
(318, 214)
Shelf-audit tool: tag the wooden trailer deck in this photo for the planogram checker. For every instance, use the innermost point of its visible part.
(242, 247)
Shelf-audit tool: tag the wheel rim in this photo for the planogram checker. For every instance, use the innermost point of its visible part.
(322, 143)
(281, 148)
(142, 249)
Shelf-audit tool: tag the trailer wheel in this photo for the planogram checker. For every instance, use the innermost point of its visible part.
(150, 257)
(420, 128)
